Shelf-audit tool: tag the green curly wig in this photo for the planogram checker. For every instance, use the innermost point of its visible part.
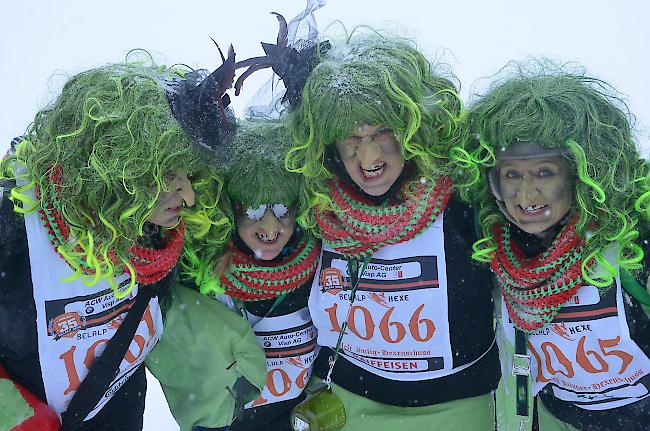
(257, 175)
(372, 79)
(254, 176)
(556, 109)
(112, 134)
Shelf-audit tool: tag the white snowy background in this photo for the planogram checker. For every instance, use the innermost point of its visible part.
(42, 42)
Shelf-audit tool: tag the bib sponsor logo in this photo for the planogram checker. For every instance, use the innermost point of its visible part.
(332, 280)
(86, 317)
(587, 295)
(394, 365)
(379, 298)
(393, 272)
(295, 360)
(65, 325)
(117, 322)
(616, 389)
(378, 276)
(560, 329)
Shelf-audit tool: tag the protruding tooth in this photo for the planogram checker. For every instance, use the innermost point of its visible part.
(374, 170)
(534, 208)
(265, 238)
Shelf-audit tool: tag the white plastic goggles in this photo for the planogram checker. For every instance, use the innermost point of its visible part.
(279, 211)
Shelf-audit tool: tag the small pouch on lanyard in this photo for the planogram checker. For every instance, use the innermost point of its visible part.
(323, 410)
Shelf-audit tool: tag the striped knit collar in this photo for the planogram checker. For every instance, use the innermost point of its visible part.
(357, 228)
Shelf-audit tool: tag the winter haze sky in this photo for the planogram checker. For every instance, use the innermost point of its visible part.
(44, 41)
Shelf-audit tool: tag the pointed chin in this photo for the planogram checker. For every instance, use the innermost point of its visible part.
(267, 253)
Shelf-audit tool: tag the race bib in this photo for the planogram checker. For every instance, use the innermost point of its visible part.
(75, 322)
(586, 353)
(397, 327)
(289, 343)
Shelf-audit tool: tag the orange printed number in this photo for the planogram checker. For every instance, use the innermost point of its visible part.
(270, 382)
(421, 329)
(140, 340)
(540, 375)
(626, 358)
(583, 358)
(414, 326)
(367, 320)
(71, 370)
(331, 311)
(301, 382)
(68, 357)
(385, 325)
(549, 348)
(563, 360)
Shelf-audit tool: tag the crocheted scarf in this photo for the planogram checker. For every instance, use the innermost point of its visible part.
(150, 264)
(534, 289)
(357, 228)
(251, 279)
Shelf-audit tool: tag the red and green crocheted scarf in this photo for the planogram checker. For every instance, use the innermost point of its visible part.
(150, 264)
(251, 279)
(356, 228)
(534, 289)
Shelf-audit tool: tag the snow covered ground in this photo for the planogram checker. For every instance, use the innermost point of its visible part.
(43, 41)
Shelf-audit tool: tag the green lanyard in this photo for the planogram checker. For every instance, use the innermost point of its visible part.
(276, 303)
(242, 308)
(355, 277)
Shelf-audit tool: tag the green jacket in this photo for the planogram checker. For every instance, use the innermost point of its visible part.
(208, 361)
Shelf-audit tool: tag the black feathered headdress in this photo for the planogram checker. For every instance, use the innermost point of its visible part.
(291, 58)
(200, 104)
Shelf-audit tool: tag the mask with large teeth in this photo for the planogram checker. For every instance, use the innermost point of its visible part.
(374, 170)
(534, 208)
(532, 185)
(519, 150)
(267, 237)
